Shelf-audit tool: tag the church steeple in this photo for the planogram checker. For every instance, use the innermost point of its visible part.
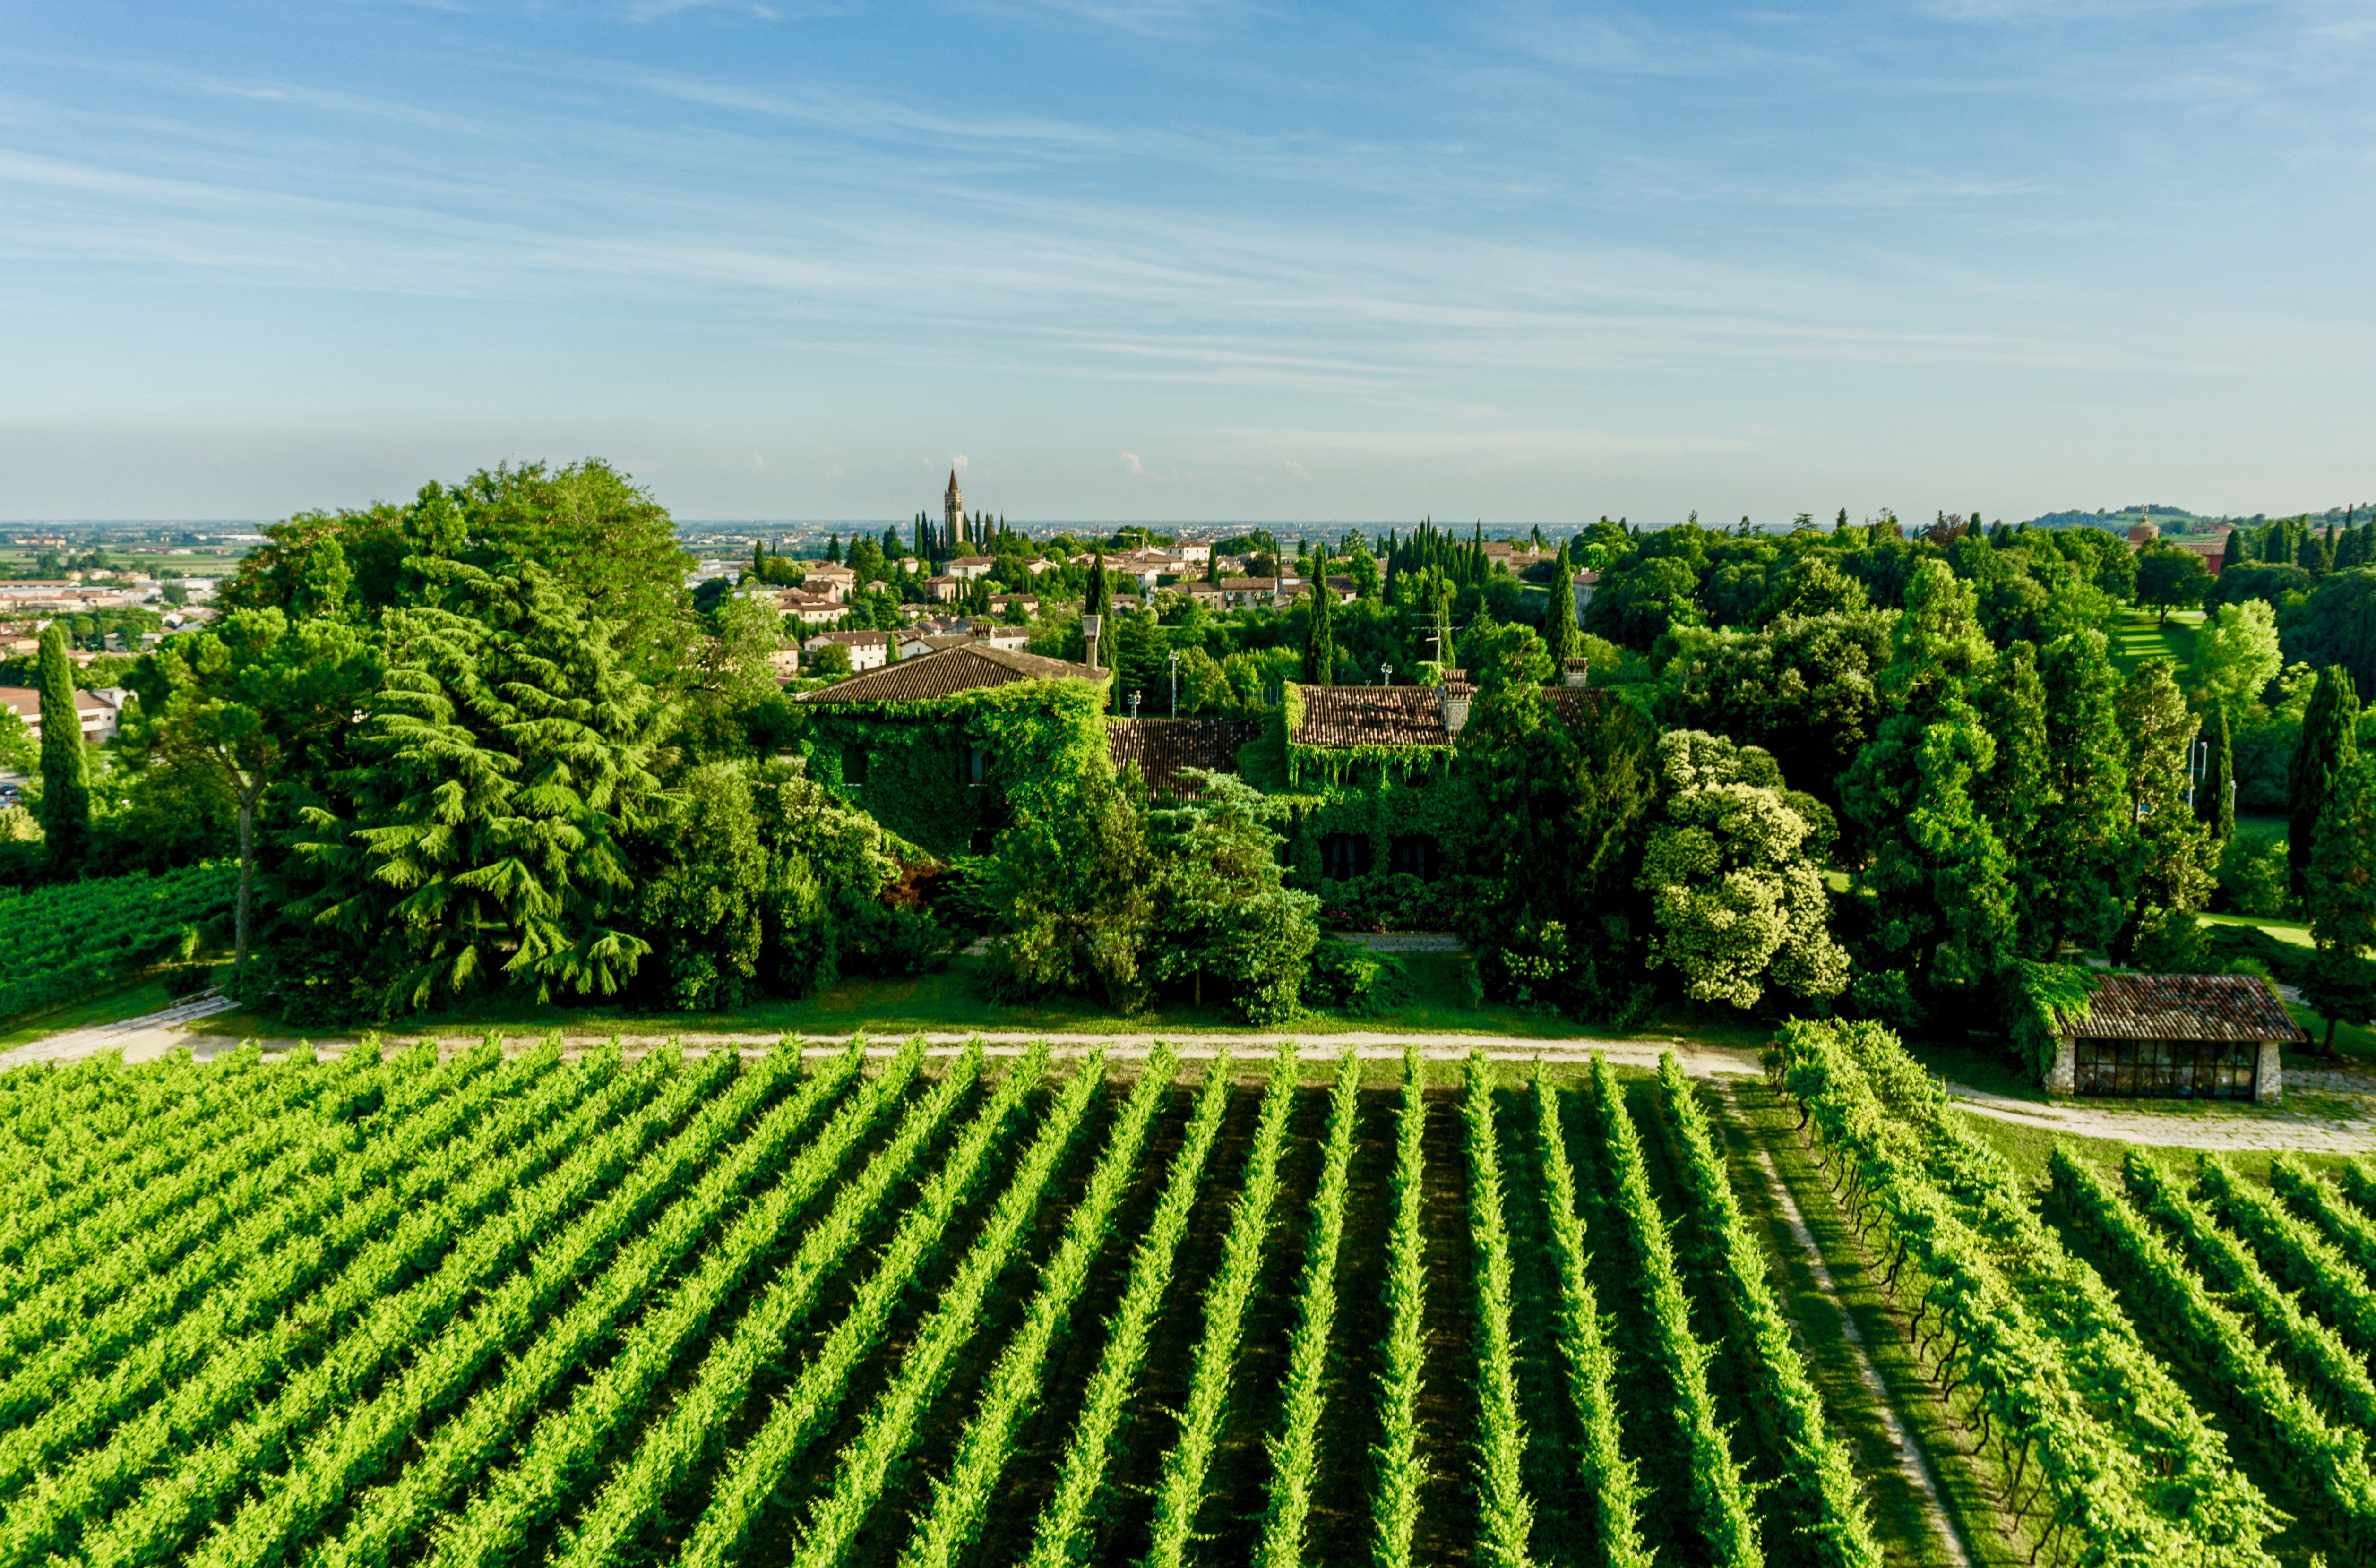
(952, 511)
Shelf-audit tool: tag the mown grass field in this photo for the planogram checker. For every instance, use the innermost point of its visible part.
(913, 1310)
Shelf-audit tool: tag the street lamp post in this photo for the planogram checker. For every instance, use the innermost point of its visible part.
(1176, 683)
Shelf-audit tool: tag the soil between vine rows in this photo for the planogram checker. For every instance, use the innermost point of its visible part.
(1228, 1524)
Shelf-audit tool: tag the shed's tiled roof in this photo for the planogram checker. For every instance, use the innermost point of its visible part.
(1162, 747)
(2226, 1007)
(973, 667)
(1372, 716)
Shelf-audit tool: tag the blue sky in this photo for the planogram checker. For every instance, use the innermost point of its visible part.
(1183, 260)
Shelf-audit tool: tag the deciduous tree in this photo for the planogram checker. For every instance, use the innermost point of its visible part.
(2169, 578)
(2236, 656)
(1737, 907)
(245, 703)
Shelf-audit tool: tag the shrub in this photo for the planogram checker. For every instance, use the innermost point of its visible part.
(1885, 996)
(1355, 979)
(2252, 877)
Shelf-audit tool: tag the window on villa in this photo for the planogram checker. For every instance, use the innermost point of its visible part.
(854, 764)
(1344, 856)
(1416, 854)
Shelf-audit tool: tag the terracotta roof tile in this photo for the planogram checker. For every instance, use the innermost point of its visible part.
(2228, 1007)
(973, 667)
(1372, 716)
(1162, 747)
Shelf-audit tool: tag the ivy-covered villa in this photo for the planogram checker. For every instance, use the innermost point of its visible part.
(940, 749)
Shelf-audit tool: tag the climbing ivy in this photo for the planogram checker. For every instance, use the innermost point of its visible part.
(909, 764)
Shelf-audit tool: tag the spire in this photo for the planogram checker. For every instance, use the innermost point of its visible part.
(953, 481)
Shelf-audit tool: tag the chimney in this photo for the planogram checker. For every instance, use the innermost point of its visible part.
(1576, 672)
(1456, 708)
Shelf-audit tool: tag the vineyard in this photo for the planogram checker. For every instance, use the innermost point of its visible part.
(63, 941)
(919, 1312)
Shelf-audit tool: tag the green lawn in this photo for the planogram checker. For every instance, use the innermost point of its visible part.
(958, 998)
(129, 1000)
(2139, 635)
(2257, 831)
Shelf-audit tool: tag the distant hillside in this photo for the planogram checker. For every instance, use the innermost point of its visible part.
(2170, 519)
(2178, 520)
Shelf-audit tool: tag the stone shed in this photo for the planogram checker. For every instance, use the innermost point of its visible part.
(2175, 1036)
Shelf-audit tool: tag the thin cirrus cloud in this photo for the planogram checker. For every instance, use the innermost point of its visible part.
(1698, 251)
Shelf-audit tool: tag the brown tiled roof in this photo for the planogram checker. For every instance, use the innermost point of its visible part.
(2228, 1007)
(1372, 716)
(1162, 747)
(970, 668)
(1572, 703)
(1250, 585)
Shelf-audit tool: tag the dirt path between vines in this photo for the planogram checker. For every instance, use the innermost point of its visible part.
(2331, 1112)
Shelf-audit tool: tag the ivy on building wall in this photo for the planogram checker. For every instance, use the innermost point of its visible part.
(947, 773)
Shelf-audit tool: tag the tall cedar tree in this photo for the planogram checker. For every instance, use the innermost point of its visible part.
(65, 807)
(506, 754)
(2215, 797)
(2343, 899)
(1319, 639)
(2326, 747)
(1562, 638)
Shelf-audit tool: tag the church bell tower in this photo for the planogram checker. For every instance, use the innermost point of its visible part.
(953, 512)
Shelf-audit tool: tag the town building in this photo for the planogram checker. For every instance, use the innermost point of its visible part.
(868, 650)
(102, 712)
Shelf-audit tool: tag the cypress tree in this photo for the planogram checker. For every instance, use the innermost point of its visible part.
(758, 557)
(833, 548)
(1319, 639)
(2215, 797)
(1562, 638)
(2327, 746)
(2342, 983)
(65, 808)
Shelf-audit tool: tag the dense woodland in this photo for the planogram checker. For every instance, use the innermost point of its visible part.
(488, 741)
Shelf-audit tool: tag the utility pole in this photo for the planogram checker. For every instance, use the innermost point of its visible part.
(1176, 683)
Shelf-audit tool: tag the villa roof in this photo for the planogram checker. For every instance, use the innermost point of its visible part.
(2218, 1007)
(1372, 716)
(1164, 747)
(974, 666)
